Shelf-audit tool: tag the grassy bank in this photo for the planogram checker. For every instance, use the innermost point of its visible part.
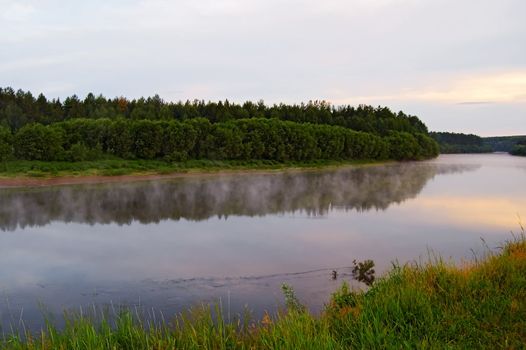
(481, 304)
(116, 167)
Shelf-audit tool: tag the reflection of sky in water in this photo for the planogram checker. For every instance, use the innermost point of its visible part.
(384, 213)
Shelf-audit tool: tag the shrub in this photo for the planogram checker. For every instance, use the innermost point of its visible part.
(38, 142)
(77, 153)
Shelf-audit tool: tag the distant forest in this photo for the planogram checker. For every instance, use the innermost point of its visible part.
(504, 143)
(468, 143)
(519, 149)
(37, 128)
(460, 143)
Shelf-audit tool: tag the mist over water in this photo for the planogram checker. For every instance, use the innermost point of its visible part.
(173, 243)
(199, 198)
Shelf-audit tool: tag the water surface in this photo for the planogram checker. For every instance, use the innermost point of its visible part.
(172, 243)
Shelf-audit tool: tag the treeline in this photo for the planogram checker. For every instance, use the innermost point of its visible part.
(198, 138)
(21, 108)
(450, 142)
(468, 143)
(503, 143)
(519, 149)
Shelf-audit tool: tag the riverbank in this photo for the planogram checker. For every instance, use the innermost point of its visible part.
(479, 304)
(36, 173)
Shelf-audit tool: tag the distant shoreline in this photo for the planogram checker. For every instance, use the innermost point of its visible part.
(88, 175)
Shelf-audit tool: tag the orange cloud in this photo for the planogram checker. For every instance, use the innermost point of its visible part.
(507, 86)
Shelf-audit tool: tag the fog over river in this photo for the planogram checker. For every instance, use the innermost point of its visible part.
(170, 244)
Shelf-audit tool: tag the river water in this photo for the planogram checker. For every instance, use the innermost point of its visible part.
(167, 245)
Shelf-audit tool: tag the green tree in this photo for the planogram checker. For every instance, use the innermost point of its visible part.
(403, 146)
(120, 139)
(6, 145)
(148, 138)
(179, 140)
(38, 142)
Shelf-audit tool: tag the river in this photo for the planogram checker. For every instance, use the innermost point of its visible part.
(166, 245)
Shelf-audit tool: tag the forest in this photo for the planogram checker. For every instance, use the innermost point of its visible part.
(504, 143)
(150, 128)
(460, 143)
(20, 108)
(450, 142)
(519, 149)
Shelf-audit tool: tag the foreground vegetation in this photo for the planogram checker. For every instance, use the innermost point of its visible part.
(436, 305)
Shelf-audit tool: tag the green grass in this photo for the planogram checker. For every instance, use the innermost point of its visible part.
(114, 167)
(437, 305)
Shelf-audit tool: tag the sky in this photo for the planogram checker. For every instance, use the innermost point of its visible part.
(458, 65)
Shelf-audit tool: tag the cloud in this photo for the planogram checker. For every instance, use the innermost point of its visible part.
(475, 103)
(17, 11)
(39, 62)
(393, 52)
(480, 88)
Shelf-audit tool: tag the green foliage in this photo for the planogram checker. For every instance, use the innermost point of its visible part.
(403, 146)
(242, 139)
(503, 143)
(363, 271)
(291, 300)
(38, 142)
(20, 108)
(179, 140)
(202, 128)
(224, 141)
(92, 133)
(428, 147)
(460, 143)
(457, 138)
(148, 137)
(120, 139)
(343, 297)
(150, 128)
(79, 152)
(518, 150)
(438, 305)
(6, 144)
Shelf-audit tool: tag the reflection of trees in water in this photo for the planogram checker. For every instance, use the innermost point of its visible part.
(361, 189)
